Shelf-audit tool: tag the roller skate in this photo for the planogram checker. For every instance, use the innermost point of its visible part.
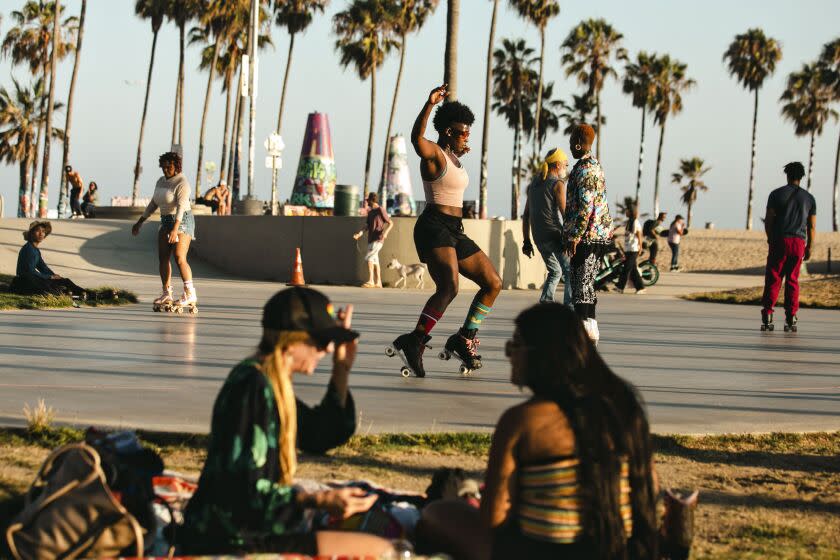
(187, 301)
(790, 323)
(165, 301)
(465, 349)
(410, 347)
(591, 328)
(767, 320)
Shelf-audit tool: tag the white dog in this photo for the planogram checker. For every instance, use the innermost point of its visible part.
(406, 270)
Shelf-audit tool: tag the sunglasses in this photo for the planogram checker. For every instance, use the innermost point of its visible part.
(460, 132)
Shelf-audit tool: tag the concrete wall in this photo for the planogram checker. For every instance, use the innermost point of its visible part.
(263, 248)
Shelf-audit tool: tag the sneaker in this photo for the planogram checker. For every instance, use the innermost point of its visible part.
(641, 291)
(466, 349)
(412, 346)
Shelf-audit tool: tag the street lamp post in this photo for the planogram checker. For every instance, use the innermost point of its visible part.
(274, 145)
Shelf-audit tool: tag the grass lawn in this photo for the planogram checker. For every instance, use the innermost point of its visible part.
(817, 294)
(761, 496)
(101, 296)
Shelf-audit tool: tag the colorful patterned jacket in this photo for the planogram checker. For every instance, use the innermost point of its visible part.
(587, 217)
(239, 505)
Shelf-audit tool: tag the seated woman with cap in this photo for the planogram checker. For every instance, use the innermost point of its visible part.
(33, 276)
(246, 501)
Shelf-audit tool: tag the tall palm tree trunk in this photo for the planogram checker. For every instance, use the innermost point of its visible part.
(207, 94)
(223, 158)
(62, 193)
(658, 167)
(811, 159)
(834, 206)
(688, 216)
(598, 127)
(43, 198)
(641, 157)
(234, 128)
(517, 189)
(285, 82)
(513, 173)
(538, 111)
(485, 129)
(370, 129)
(177, 108)
(135, 190)
(382, 194)
(751, 192)
(33, 177)
(236, 160)
(23, 192)
(182, 48)
(450, 56)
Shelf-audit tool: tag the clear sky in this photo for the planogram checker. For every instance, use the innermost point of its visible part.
(715, 124)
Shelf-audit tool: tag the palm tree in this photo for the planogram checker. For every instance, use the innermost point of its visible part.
(364, 38)
(29, 42)
(577, 112)
(295, 16)
(154, 11)
(407, 16)
(209, 33)
(514, 79)
(670, 82)
(691, 171)
(538, 12)
(21, 115)
(450, 53)
(639, 84)
(485, 129)
(181, 12)
(831, 59)
(43, 198)
(65, 156)
(807, 99)
(752, 57)
(587, 52)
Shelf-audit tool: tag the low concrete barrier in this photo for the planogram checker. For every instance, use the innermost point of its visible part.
(263, 248)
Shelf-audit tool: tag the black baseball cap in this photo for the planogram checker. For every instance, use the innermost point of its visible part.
(305, 309)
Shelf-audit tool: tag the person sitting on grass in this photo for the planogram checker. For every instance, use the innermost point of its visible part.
(33, 276)
(570, 471)
(246, 501)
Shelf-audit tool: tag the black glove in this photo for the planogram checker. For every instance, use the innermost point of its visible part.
(527, 248)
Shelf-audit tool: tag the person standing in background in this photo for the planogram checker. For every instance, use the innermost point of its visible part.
(90, 200)
(675, 233)
(632, 246)
(545, 203)
(76, 186)
(378, 226)
(652, 231)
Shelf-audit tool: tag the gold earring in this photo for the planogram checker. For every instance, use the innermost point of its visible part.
(577, 146)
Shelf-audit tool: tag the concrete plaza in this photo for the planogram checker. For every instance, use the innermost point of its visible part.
(701, 368)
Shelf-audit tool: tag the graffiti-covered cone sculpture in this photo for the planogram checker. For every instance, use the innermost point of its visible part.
(315, 181)
(398, 185)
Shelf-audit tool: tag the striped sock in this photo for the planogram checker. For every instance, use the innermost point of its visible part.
(478, 311)
(428, 319)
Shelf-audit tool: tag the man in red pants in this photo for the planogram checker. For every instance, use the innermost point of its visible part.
(790, 224)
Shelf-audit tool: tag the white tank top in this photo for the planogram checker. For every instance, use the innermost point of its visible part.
(448, 189)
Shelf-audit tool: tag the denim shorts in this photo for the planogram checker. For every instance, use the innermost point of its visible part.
(187, 224)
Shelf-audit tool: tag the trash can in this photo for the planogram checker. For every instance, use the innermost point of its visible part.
(346, 200)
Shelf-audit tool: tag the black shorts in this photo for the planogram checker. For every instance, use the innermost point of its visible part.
(435, 229)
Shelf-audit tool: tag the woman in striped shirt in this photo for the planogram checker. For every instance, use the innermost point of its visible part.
(570, 470)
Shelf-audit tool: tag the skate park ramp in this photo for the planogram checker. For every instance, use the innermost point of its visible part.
(99, 251)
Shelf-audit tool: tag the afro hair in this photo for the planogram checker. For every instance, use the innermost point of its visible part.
(794, 171)
(452, 112)
(173, 157)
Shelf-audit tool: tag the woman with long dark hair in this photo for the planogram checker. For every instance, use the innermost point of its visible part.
(570, 470)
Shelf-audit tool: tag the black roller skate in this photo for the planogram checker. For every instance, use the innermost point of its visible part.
(465, 349)
(410, 347)
(767, 320)
(790, 323)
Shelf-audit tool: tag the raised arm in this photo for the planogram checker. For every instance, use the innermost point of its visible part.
(426, 149)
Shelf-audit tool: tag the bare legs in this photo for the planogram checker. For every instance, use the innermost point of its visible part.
(344, 544)
(165, 252)
(374, 274)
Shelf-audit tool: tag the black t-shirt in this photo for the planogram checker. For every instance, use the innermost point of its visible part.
(793, 205)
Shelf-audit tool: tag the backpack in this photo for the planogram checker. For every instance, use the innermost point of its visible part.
(70, 512)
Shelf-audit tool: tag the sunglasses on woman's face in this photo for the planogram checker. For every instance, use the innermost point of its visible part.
(461, 132)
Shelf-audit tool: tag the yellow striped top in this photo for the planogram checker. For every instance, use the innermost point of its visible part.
(549, 503)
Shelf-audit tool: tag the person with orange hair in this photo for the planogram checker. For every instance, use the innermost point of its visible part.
(587, 225)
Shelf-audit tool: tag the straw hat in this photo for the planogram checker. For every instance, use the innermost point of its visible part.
(38, 223)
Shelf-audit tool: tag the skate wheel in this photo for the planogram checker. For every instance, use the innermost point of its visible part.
(444, 355)
(390, 352)
(193, 310)
(405, 372)
(179, 310)
(464, 371)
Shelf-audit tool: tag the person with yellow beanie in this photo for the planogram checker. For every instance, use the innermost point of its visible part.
(545, 203)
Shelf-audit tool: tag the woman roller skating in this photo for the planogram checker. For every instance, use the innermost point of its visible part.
(177, 230)
(440, 240)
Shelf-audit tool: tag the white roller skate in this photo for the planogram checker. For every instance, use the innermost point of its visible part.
(165, 301)
(188, 301)
(591, 328)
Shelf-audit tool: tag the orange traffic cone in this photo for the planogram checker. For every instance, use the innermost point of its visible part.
(297, 271)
